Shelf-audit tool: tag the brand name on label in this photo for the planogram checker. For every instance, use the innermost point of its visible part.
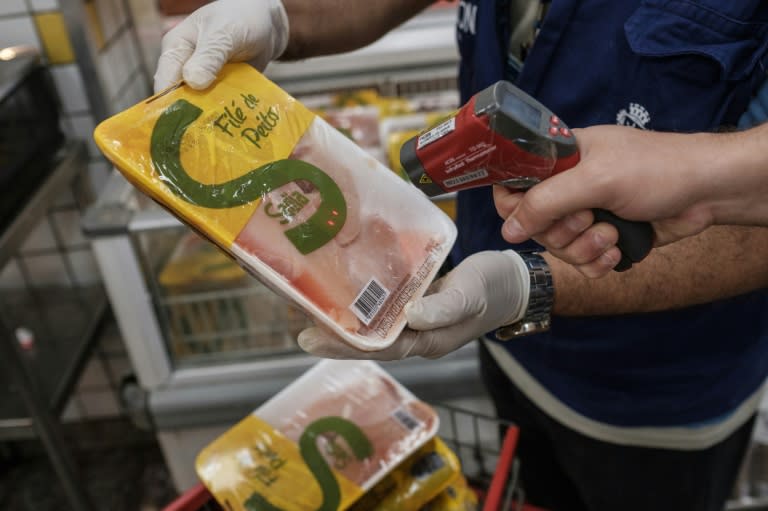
(288, 207)
(267, 471)
(245, 118)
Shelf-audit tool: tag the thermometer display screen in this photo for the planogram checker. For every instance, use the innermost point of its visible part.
(525, 112)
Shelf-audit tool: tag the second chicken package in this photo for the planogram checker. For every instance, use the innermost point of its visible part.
(319, 444)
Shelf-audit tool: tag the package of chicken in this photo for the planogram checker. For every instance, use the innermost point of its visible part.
(458, 496)
(319, 444)
(298, 204)
(414, 482)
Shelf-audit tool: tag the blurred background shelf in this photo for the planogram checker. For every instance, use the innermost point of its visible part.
(64, 323)
(51, 312)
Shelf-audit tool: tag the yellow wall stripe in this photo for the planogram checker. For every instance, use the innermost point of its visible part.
(53, 32)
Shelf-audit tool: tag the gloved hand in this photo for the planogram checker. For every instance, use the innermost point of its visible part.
(487, 290)
(222, 31)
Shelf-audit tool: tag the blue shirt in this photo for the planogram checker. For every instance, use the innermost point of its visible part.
(653, 64)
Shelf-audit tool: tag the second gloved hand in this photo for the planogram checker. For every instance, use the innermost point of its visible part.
(222, 31)
(487, 290)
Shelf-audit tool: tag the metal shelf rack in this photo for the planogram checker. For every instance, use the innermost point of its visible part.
(61, 322)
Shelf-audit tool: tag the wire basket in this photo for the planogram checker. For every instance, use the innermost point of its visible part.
(490, 466)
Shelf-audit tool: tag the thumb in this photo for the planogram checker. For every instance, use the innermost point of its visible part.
(441, 309)
(177, 46)
(169, 68)
(213, 50)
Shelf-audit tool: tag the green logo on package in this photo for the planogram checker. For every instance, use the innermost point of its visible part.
(165, 149)
(331, 492)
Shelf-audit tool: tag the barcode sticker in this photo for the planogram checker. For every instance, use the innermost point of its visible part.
(466, 178)
(369, 301)
(436, 133)
(405, 419)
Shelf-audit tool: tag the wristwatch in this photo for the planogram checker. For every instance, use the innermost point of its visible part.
(537, 315)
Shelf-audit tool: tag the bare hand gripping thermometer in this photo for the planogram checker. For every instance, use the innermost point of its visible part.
(504, 136)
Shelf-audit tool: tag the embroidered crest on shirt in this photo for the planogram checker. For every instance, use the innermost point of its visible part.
(467, 18)
(637, 116)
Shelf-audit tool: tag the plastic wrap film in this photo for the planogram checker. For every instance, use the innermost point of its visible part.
(458, 496)
(415, 482)
(394, 420)
(294, 201)
(318, 444)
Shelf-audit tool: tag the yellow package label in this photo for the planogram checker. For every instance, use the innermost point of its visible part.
(252, 467)
(199, 153)
(414, 482)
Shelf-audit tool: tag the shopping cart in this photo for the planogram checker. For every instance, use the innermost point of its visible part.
(491, 470)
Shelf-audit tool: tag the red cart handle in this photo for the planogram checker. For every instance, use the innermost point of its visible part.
(495, 493)
(192, 500)
(197, 496)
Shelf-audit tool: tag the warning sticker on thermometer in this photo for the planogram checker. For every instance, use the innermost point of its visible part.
(436, 133)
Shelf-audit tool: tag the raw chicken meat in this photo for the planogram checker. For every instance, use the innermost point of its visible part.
(387, 426)
(367, 247)
(396, 426)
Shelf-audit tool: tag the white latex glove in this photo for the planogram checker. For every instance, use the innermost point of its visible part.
(487, 290)
(222, 31)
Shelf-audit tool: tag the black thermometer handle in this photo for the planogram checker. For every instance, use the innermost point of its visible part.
(635, 238)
